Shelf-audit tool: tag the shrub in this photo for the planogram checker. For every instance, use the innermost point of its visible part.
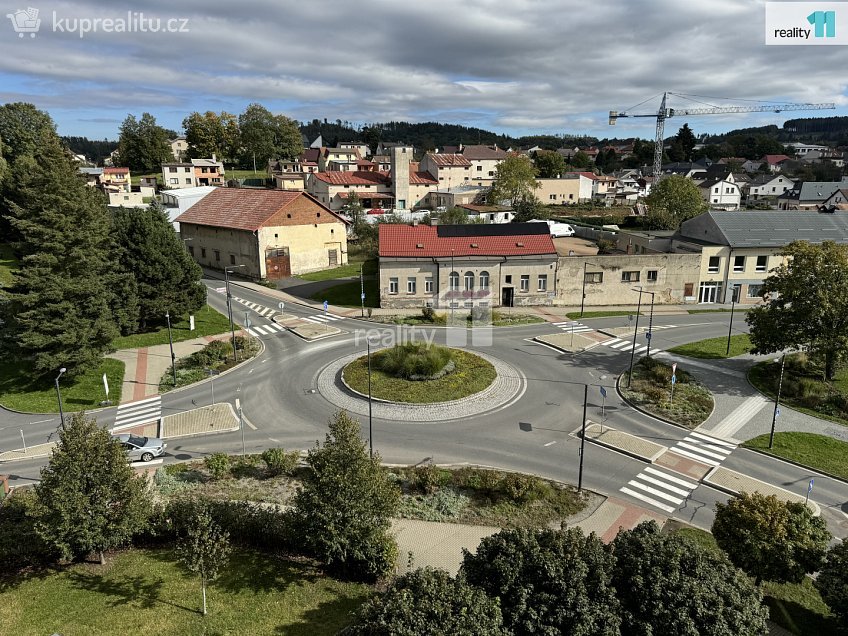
(170, 482)
(520, 488)
(279, 462)
(428, 478)
(20, 545)
(413, 360)
(428, 314)
(213, 353)
(481, 315)
(247, 466)
(447, 503)
(218, 465)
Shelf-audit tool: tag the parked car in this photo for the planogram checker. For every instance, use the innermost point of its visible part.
(141, 448)
(561, 229)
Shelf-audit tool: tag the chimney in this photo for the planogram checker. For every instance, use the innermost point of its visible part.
(214, 158)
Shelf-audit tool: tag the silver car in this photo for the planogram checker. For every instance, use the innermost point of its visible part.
(141, 448)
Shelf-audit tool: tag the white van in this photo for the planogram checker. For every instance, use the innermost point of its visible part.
(561, 229)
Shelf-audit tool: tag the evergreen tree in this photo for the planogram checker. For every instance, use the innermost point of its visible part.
(89, 498)
(151, 255)
(58, 311)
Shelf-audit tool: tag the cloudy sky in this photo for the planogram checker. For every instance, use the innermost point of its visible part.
(513, 66)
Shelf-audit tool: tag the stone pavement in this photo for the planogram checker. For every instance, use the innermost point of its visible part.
(217, 418)
(626, 443)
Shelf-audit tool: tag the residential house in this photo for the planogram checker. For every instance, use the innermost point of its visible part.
(484, 160)
(465, 266)
(384, 147)
(836, 201)
(768, 186)
(751, 166)
(179, 148)
(93, 176)
(801, 150)
(457, 196)
(338, 159)
(562, 191)
(208, 172)
(273, 233)
(450, 170)
(178, 175)
(809, 195)
(488, 213)
(775, 163)
(360, 146)
(179, 200)
(116, 179)
(586, 189)
(722, 194)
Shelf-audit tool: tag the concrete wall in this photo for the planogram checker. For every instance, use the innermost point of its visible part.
(400, 177)
(672, 271)
(240, 246)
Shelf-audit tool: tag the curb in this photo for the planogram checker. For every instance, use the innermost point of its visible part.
(794, 463)
(657, 417)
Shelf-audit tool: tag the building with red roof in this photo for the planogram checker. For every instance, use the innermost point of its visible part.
(270, 233)
(465, 266)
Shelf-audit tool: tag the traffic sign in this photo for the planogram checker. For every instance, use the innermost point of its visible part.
(282, 306)
(648, 335)
(674, 379)
(247, 323)
(777, 412)
(603, 392)
(326, 305)
(810, 487)
(673, 368)
(362, 296)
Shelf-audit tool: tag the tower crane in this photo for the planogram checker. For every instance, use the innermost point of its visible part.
(664, 113)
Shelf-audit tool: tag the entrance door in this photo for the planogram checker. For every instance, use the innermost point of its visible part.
(507, 296)
(709, 292)
(277, 264)
(334, 258)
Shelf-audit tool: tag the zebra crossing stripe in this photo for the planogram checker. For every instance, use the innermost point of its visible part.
(662, 484)
(647, 499)
(704, 451)
(620, 345)
(713, 440)
(140, 412)
(275, 327)
(695, 456)
(261, 330)
(691, 486)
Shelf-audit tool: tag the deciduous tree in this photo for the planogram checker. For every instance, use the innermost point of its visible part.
(267, 136)
(515, 181)
(212, 133)
(143, 145)
(89, 499)
(204, 549)
(832, 581)
(453, 216)
(549, 164)
(673, 200)
(806, 304)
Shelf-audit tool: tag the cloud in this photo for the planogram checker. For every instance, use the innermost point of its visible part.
(526, 65)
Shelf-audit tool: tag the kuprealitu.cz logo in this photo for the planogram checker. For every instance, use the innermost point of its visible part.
(806, 23)
(27, 22)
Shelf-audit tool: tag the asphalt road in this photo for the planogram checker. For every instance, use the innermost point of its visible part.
(535, 434)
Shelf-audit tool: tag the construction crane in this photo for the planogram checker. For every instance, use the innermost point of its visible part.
(664, 113)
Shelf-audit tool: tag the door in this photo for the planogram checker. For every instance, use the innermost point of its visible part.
(709, 292)
(507, 296)
(334, 257)
(277, 264)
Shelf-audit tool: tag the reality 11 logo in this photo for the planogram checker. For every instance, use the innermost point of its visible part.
(824, 23)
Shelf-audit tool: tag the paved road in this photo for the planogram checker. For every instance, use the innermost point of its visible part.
(279, 396)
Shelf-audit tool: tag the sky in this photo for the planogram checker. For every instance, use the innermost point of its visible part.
(511, 66)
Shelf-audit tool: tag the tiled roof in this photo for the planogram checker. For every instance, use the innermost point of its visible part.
(242, 209)
(422, 178)
(588, 175)
(483, 152)
(773, 159)
(207, 162)
(403, 240)
(357, 177)
(443, 159)
(115, 170)
(310, 154)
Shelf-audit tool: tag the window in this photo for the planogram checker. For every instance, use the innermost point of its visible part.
(479, 168)
(217, 255)
(716, 190)
(571, 197)
(191, 250)
(491, 173)
(508, 279)
(762, 263)
(172, 169)
(543, 282)
(468, 304)
(755, 291)
(688, 289)
(428, 285)
(484, 280)
(232, 259)
(203, 252)
(469, 281)
(454, 281)
(393, 285)
(715, 200)
(525, 283)
(552, 197)
(410, 285)
(712, 268)
(593, 277)
(738, 263)
(630, 277)
(174, 181)
(652, 275)
(188, 181)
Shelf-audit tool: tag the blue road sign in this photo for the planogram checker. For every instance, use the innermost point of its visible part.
(648, 335)
(777, 412)
(603, 392)
(361, 296)
(674, 379)
(810, 487)
(326, 304)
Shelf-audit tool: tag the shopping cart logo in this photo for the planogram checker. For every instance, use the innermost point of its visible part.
(25, 21)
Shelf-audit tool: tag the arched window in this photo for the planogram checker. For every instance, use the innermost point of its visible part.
(484, 280)
(469, 281)
(454, 281)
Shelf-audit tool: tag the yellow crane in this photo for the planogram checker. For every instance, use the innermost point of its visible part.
(665, 112)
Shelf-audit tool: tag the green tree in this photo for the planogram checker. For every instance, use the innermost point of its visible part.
(769, 539)
(267, 136)
(529, 209)
(515, 181)
(806, 305)
(204, 549)
(371, 135)
(59, 307)
(342, 511)
(547, 582)
(682, 144)
(428, 602)
(453, 216)
(832, 581)
(673, 200)
(580, 160)
(167, 280)
(89, 498)
(22, 129)
(143, 145)
(355, 211)
(667, 584)
(549, 164)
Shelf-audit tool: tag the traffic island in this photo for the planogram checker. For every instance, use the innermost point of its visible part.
(733, 483)
(310, 332)
(623, 442)
(567, 342)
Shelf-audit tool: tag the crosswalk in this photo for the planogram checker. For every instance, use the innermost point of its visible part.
(571, 325)
(135, 413)
(322, 318)
(627, 345)
(704, 448)
(265, 330)
(660, 488)
(265, 312)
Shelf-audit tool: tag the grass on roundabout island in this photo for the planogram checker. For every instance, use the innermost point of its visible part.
(471, 375)
(715, 348)
(809, 449)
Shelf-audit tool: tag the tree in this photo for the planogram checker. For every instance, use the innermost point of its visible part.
(453, 216)
(58, 310)
(806, 304)
(212, 133)
(204, 549)
(832, 580)
(143, 145)
(428, 602)
(371, 135)
(547, 582)
(167, 280)
(529, 209)
(343, 509)
(682, 144)
(22, 128)
(515, 181)
(89, 498)
(266, 136)
(355, 211)
(581, 160)
(673, 200)
(549, 164)
(670, 585)
(769, 539)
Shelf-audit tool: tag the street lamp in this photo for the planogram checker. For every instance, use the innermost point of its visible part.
(361, 291)
(635, 331)
(730, 326)
(650, 333)
(450, 286)
(59, 395)
(777, 400)
(370, 429)
(171, 342)
(230, 307)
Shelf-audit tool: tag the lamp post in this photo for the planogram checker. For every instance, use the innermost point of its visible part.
(777, 400)
(583, 297)
(450, 286)
(171, 342)
(362, 291)
(59, 396)
(582, 438)
(650, 324)
(370, 428)
(230, 307)
(730, 326)
(635, 331)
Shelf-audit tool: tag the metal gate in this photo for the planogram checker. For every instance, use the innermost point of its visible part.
(277, 264)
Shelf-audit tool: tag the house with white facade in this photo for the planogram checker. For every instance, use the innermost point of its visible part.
(484, 160)
(768, 186)
(722, 193)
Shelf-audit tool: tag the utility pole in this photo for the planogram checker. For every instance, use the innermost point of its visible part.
(362, 290)
(777, 401)
(730, 326)
(650, 333)
(171, 342)
(582, 438)
(230, 308)
(635, 331)
(583, 297)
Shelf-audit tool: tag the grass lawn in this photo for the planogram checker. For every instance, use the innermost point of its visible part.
(347, 294)
(499, 319)
(207, 322)
(471, 375)
(651, 391)
(816, 451)
(8, 262)
(715, 311)
(351, 270)
(715, 348)
(575, 315)
(147, 592)
(20, 393)
(232, 173)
